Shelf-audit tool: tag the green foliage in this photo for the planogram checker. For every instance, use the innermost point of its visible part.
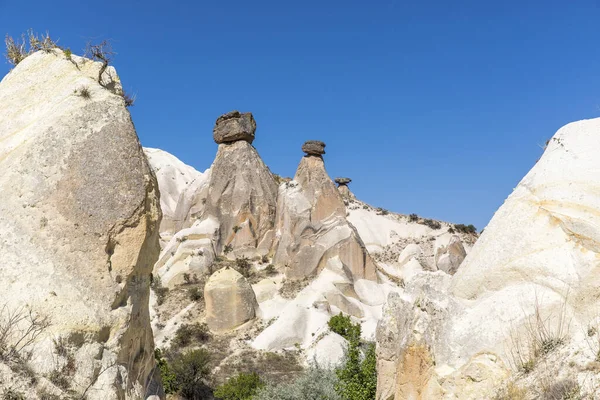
(184, 335)
(159, 290)
(168, 377)
(358, 376)
(240, 387)
(431, 223)
(190, 371)
(67, 53)
(243, 266)
(465, 228)
(236, 229)
(314, 383)
(413, 218)
(227, 249)
(195, 293)
(271, 270)
(343, 326)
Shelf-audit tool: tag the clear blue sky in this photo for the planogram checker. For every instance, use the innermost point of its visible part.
(431, 107)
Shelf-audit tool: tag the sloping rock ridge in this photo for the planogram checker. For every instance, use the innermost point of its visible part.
(79, 221)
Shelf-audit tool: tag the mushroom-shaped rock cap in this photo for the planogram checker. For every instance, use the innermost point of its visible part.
(313, 147)
(343, 181)
(234, 126)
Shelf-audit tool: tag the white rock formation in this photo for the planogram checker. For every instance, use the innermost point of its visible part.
(534, 269)
(230, 300)
(182, 189)
(79, 221)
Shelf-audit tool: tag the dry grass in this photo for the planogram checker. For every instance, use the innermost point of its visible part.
(542, 335)
(18, 49)
(512, 391)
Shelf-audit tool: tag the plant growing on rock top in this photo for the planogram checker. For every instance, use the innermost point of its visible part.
(240, 387)
(431, 223)
(469, 229)
(413, 218)
(102, 52)
(17, 50)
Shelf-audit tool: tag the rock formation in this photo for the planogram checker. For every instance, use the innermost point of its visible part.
(313, 148)
(312, 225)
(449, 257)
(526, 291)
(79, 222)
(239, 214)
(343, 187)
(230, 300)
(234, 126)
(182, 189)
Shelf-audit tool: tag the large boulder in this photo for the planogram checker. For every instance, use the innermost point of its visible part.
(230, 300)
(527, 289)
(448, 257)
(314, 148)
(234, 126)
(312, 226)
(79, 222)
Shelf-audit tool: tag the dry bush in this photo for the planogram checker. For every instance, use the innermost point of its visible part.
(566, 389)
(512, 392)
(102, 52)
(542, 335)
(18, 329)
(18, 49)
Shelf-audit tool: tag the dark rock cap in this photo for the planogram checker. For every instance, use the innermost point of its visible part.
(313, 148)
(343, 181)
(234, 126)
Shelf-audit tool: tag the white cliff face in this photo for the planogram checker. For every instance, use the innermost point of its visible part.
(182, 189)
(79, 223)
(534, 269)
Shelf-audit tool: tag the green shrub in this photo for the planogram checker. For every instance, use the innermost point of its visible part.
(465, 228)
(184, 335)
(195, 293)
(270, 270)
(358, 376)
(167, 376)
(240, 387)
(314, 383)
(413, 218)
(227, 249)
(431, 223)
(343, 326)
(191, 370)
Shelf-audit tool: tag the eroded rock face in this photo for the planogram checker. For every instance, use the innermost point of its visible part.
(314, 148)
(79, 222)
(239, 211)
(234, 126)
(230, 300)
(534, 267)
(449, 257)
(312, 226)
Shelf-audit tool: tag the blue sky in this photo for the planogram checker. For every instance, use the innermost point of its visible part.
(433, 107)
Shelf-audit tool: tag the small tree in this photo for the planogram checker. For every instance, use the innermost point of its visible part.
(190, 370)
(240, 387)
(343, 326)
(102, 52)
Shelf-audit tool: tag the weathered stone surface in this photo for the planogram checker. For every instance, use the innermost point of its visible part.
(234, 126)
(314, 147)
(343, 181)
(79, 222)
(311, 220)
(230, 300)
(241, 200)
(449, 257)
(534, 268)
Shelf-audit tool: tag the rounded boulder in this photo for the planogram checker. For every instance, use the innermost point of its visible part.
(314, 147)
(230, 300)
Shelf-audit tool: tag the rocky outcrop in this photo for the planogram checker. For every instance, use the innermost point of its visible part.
(449, 257)
(240, 203)
(312, 226)
(314, 148)
(532, 274)
(79, 222)
(182, 190)
(230, 300)
(234, 126)
(343, 187)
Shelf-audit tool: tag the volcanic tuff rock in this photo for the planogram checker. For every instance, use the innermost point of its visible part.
(240, 202)
(313, 148)
(312, 226)
(343, 187)
(230, 300)
(535, 269)
(234, 126)
(79, 222)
